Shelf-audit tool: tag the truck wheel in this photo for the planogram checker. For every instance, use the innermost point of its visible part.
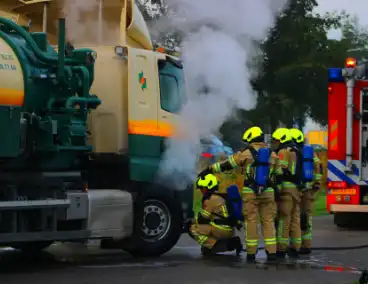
(341, 220)
(32, 247)
(158, 223)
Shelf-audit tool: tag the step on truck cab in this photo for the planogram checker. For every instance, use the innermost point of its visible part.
(347, 189)
(85, 126)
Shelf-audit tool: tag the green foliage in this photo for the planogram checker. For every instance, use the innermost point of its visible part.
(320, 204)
(296, 56)
(151, 9)
(355, 38)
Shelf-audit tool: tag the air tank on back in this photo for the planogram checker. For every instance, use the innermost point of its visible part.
(308, 164)
(44, 100)
(262, 167)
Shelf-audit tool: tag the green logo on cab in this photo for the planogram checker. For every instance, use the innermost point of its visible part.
(142, 81)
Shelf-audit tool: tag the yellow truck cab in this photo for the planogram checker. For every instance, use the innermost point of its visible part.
(140, 93)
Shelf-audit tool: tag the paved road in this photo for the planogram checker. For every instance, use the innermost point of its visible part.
(73, 263)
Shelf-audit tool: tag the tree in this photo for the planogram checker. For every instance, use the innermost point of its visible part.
(355, 38)
(151, 9)
(296, 55)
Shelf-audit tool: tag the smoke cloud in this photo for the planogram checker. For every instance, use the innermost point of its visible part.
(219, 39)
(88, 23)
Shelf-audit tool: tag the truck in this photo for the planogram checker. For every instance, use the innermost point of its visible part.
(347, 188)
(317, 137)
(84, 129)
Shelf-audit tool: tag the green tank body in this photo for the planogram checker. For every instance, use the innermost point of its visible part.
(44, 100)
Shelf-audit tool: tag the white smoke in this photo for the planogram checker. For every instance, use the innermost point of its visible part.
(87, 23)
(219, 40)
(311, 125)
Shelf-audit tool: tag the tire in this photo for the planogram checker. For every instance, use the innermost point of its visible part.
(342, 220)
(350, 220)
(32, 247)
(158, 223)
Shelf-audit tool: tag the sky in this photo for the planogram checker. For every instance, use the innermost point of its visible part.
(353, 7)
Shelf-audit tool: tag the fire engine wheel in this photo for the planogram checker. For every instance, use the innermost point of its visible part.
(32, 247)
(350, 220)
(341, 220)
(158, 223)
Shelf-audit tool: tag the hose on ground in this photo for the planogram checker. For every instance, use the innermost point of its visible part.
(330, 248)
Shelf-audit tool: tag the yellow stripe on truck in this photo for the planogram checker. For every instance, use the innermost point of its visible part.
(334, 135)
(11, 97)
(150, 128)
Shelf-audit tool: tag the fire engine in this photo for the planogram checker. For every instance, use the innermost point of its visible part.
(347, 188)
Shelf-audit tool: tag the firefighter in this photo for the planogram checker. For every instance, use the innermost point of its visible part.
(256, 200)
(288, 228)
(309, 193)
(210, 228)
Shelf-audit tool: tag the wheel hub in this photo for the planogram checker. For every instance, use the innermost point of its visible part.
(152, 220)
(156, 220)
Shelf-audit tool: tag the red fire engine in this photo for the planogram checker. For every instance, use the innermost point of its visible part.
(347, 189)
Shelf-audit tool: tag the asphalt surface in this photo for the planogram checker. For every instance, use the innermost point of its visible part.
(74, 263)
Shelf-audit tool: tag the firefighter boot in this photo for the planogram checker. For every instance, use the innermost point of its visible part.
(271, 257)
(205, 251)
(219, 246)
(305, 251)
(293, 253)
(280, 254)
(251, 257)
(235, 244)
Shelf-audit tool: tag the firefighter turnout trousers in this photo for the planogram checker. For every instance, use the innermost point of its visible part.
(306, 207)
(261, 207)
(289, 230)
(208, 234)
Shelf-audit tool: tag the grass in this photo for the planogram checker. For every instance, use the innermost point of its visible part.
(320, 204)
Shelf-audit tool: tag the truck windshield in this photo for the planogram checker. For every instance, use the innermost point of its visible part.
(172, 86)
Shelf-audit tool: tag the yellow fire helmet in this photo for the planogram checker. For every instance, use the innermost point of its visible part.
(282, 134)
(297, 135)
(208, 181)
(252, 133)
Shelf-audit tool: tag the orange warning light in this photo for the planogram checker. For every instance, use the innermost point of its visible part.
(160, 49)
(350, 63)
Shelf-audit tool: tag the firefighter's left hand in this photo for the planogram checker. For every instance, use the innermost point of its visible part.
(316, 186)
